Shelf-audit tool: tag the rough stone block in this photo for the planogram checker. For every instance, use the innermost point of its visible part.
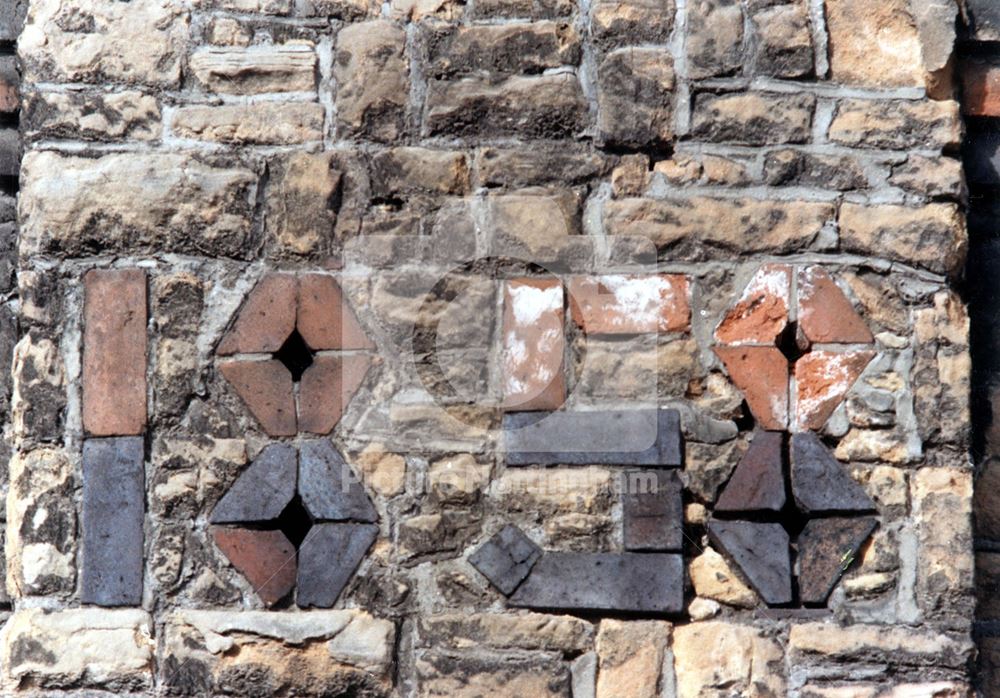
(39, 397)
(502, 48)
(894, 646)
(263, 490)
(328, 487)
(534, 344)
(514, 168)
(329, 555)
(934, 177)
(371, 71)
(784, 40)
(633, 304)
(714, 43)
(505, 631)
(632, 22)
(652, 510)
(112, 521)
(439, 674)
(261, 123)
(538, 225)
(535, 106)
(753, 118)
(720, 658)
(627, 582)
(897, 124)
(406, 172)
(263, 68)
(616, 437)
(792, 167)
(506, 559)
(877, 46)
(635, 98)
(114, 352)
(632, 658)
(99, 117)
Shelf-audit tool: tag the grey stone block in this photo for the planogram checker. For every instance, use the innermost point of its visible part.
(263, 490)
(112, 520)
(761, 551)
(819, 482)
(325, 491)
(627, 582)
(506, 558)
(329, 555)
(12, 18)
(612, 437)
(984, 19)
(653, 510)
(10, 152)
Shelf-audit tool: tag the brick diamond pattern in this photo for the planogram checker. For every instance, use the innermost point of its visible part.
(292, 331)
(296, 519)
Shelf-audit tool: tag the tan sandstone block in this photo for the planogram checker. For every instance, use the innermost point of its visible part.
(631, 658)
(724, 659)
(874, 44)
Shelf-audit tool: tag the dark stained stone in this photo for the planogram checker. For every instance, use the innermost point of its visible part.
(611, 437)
(328, 557)
(981, 151)
(263, 490)
(653, 510)
(819, 483)
(328, 487)
(826, 549)
(506, 558)
(113, 510)
(984, 19)
(761, 552)
(758, 484)
(627, 582)
(265, 558)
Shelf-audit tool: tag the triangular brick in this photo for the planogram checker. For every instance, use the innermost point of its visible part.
(267, 390)
(761, 374)
(263, 490)
(328, 487)
(761, 551)
(761, 314)
(266, 558)
(506, 559)
(326, 389)
(266, 318)
(827, 548)
(822, 379)
(825, 314)
(325, 318)
(328, 558)
(758, 484)
(819, 482)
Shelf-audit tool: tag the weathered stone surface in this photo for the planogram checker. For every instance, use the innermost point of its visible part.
(761, 374)
(876, 46)
(897, 124)
(261, 123)
(404, 172)
(753, 118)
(761, 552)
(38, 397)
(503, 48)
(543, 106)
(619, 304)
(141, 42)
(448, 532)
(515, 168)
(714, 43)
(458, 479)
(894, 646)
(75, 206)
(617, 437)
(635, 582)
(984, 20)
(89, 647)
(933, 236)
(758, 484)
(718, 658)
(263, 68)
(631, 658)
(371, 71)
(702, 227)
(506, 559)
(329, 555)
(635, 97)
(112, 517)
(263, 490)
(533, 345)
(114, 352)
(266, 558)
(790, 167)
(538, 225)
(826, 549)
(382, 471)
(632, 22)
(266, 389)
(302, 200)
(99, 117)
(328, 487)
(819, 483)
(713, 578)
(785, 45)
(652, 510)
(938, 177)
(439, 675)
(529, 631)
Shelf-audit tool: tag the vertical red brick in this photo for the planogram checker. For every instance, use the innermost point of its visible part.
(533, 344)
(981, 88)
(114, 352)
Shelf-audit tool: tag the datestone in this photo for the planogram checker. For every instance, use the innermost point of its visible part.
(263, 490)
(628, 582)
(329, 555)
(113, 509)
(323, 489)
(653, 517)
(506, 558)
(610, 437)
(761, 551)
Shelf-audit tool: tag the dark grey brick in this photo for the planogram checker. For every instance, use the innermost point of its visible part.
(10, 152)
(612, 437)
(759, 481)
(506, 558)
(113, 503)
(12, 18)
(981, 153)
(263, 490)
(653, 510)
(984, 19)
(819, 482)
(761, 551)
(326, 493)
(628, 582)
(826, 550)
(329, 555)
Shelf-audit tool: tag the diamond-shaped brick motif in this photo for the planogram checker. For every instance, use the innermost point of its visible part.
(296, 519)
(290, 331)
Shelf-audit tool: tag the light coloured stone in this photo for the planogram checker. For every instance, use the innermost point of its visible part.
(872, 445)
(104, 41)
(527, 631)
(636, 369)
(75, 205)
(382, 470)
(439, 675)
(278, 123)
(264, 68)
(91, 648)
(632, 21)
(416, 10)
(896, 645)
(538, 225)
(897, 124)
(753, 118)
(100, 116)
(458, 479)
(714, 43)
(38, 390)
(582, 490)
(269, 7)
(372, 80)
(703, 609)
(631, 658)
(716, 659)
(300, 192)
(876, 45)
(713, 578)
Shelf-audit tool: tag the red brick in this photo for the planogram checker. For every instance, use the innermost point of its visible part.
(326, 389)
(114, 352)
(981, 88)
(761, 314)
(325, 319)
(630, 304)
(266, 388)
(265, 558)
(266, 319)
(533, 345)
(822, 379)
(761, 374)
(825, 314)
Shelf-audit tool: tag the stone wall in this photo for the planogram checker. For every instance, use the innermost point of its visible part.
(511, 347)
